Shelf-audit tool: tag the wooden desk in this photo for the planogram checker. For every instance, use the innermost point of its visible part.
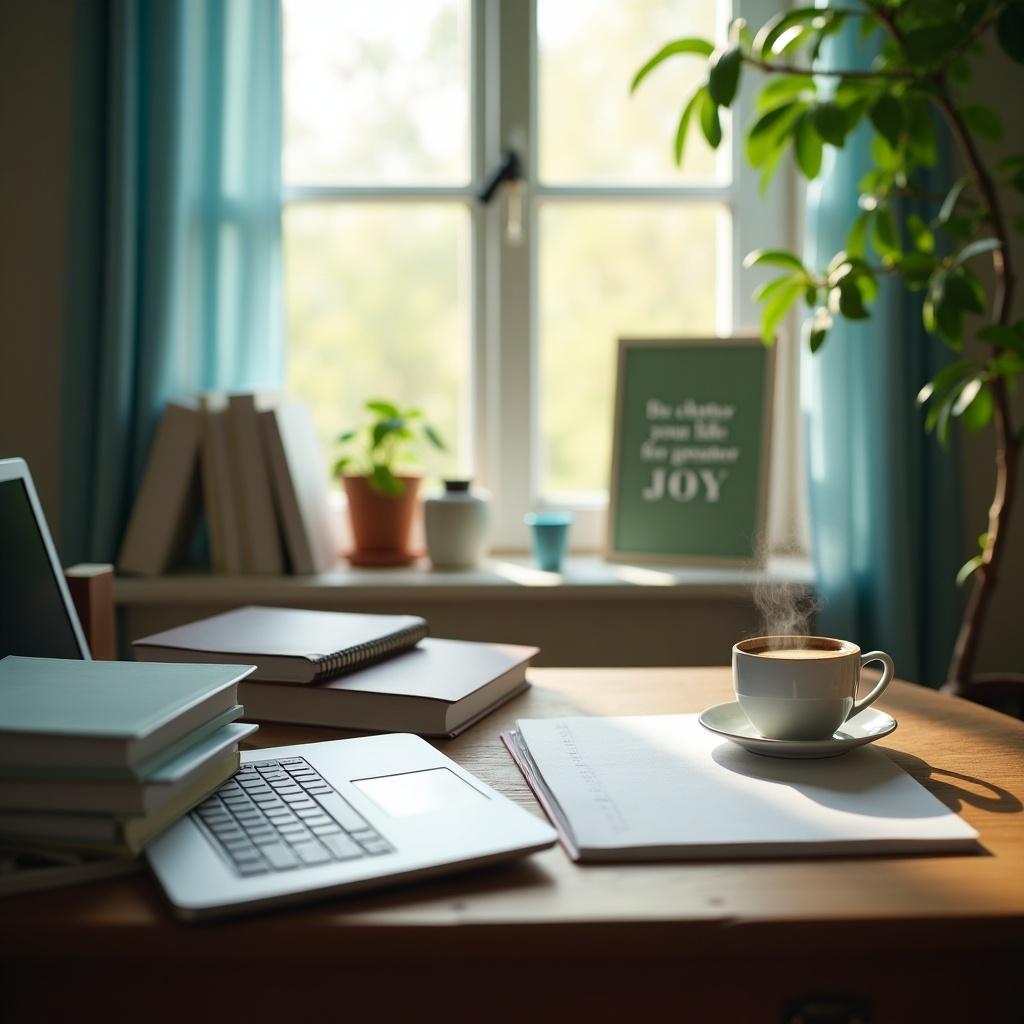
(917, 938)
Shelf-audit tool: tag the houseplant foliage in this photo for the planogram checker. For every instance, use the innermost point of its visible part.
(386, 445)
(918, 82)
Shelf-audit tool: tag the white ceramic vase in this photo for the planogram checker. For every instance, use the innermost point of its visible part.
(456, 526)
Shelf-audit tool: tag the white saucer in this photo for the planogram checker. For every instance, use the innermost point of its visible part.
(728, 720)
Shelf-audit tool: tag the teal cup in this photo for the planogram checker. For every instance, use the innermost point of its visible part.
(549, 532)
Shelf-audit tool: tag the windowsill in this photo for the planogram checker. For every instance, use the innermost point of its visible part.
(583, 578)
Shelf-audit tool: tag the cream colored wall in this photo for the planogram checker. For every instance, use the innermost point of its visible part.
(35, 82)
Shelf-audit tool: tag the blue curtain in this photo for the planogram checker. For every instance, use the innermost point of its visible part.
(174, 283)
(885, 499)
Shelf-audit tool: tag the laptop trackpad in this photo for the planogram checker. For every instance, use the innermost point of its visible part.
(411, 793)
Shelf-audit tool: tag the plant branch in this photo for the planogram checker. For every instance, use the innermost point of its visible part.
(792, 69)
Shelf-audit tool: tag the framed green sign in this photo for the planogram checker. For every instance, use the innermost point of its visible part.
(690, 452)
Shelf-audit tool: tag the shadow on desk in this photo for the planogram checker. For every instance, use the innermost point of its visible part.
(955, 789)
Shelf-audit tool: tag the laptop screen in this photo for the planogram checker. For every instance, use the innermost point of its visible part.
(33, 617)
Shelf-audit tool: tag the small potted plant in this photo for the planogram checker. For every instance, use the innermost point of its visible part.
(378, 473)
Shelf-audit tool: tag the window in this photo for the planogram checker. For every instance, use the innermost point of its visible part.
(501, 319)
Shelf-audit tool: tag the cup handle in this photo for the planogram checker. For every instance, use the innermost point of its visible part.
(887, 674)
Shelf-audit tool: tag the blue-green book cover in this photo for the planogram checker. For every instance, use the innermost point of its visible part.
(117, 699)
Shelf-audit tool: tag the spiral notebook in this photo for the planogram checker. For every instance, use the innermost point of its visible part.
(287, 645)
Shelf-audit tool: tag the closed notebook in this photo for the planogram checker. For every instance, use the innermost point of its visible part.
(126, 796)
(287, 645)
(108, 714)
(437, 689)
(116, 834)
(662, 788)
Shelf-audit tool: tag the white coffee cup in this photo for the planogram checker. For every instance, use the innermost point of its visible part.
(802, 687)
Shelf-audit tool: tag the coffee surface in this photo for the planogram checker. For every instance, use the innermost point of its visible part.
(801, 653)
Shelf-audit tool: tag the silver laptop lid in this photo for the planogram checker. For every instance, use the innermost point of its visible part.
(37, 616)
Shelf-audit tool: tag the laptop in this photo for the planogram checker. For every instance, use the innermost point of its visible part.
(295, 823)
(37, 616)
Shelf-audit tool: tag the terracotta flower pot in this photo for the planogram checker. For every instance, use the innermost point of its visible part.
(381, 523)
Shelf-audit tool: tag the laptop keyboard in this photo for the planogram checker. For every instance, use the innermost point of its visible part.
(283, 815)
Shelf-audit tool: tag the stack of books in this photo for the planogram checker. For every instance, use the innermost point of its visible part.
(102, 756)
(250, 466)
(371, 673)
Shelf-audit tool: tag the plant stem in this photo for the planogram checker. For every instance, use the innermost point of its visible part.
(790, 69)
(961, 668)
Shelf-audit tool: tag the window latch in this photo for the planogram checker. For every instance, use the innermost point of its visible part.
(509, 173)
(508, 170)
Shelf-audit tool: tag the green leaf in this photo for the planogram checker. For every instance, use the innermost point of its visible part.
(916, 268)
(769, 132)
(710, 125)
(776, 27)
(967, 394)
(887, 117)
(345, 436)
(942, 423)
(1010, 31)
(684, 127)
(964, 293)
(949, 320)
(960, 71)
(383, 481)
(885, 239)
(782, 91)
(433, 437)
(817, 338)
(923, 237)
(807, 144)
(922, 145)
(385, 428)
(764, 292)
(773, 257)
(382, 408)
(700, 47)
(1003, 337)
(975, 414)
(930, 44)
(952, 198)
(945, 380)
(339, 466)
(968, 569)
(983, 121)
(830, 122)
(1007, 364)
(777, 308)
(724, 76)
(982, 245)
(851, 304)
(855, 240)
(768, 169)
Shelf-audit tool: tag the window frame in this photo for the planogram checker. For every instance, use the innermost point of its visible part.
(502, 431)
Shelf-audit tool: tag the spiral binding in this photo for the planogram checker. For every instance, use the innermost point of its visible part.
(372, 651)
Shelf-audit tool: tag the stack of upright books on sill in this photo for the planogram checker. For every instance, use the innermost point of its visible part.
(252, 469)
(100, 756)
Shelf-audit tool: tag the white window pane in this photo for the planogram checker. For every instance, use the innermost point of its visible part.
(607, 271)
(591, 130)
(376, 93)
(377, 307)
